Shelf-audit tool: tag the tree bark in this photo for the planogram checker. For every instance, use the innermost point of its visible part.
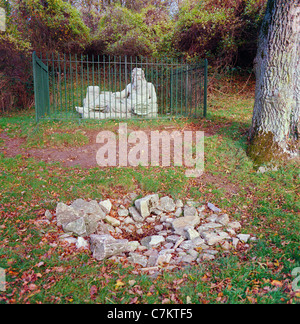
(275, 124)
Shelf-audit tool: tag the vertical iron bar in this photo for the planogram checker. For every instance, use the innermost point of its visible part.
(126, 95)
(93, 85)
(82, 84)
(88, 83)
(205, 88)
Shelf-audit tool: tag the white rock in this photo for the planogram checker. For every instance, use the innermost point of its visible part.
(212, 218)
(208, 226)
(138, 259)
(128, 220)
(167, 204)
(142, 206)
(48, 214)
(179, 224)
(190, 211)
(69, 240)
(178, 212)
(106, 205)
(178, 203)
(223, 219)
(123, 212)
(112, 221)
(151, 241)
(243, 237)
(211, 238)
(82, 243)
(191, 233)
(235, 242)
(234, 225)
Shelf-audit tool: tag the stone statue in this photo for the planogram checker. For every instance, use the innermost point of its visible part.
(138, 98)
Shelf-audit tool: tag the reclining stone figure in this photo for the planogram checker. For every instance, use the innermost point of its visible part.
(138, 98)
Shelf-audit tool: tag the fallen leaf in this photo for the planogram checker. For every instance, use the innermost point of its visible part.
(93, 291)
(119, 284)
(276, 283)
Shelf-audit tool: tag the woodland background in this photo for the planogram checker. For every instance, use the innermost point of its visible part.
(223, 31)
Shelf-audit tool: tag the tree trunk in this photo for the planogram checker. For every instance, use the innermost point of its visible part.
(275, 124)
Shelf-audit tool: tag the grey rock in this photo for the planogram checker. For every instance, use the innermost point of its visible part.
(164, 256)
(167, 204)
(146, 204)
(48, 214)
(138, 259)
(198, 242)
(187, 245)
(173, 238)
(234, 225)
(223, 219)
(213, 208)
(87, 207)
(65, 214)
(133, 212)
(123, 212)
(208, 226)
(105, 246)
(178, 212)
(179, 224)
(212, 218)
(152, 258)
(151, 241)
(178, 203)
(211, 238)
(190, 211)
(188, 258)
(91, 222)
(133, 245)
(207, 257)
(77, 227)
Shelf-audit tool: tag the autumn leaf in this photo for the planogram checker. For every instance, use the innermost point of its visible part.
(276, 283)
(119, 284)
(93, 291)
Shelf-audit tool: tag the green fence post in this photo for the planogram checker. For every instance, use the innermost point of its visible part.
(35, 86)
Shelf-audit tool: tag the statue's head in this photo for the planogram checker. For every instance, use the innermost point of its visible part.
(137, 74)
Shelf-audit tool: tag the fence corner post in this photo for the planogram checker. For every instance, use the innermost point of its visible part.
(34, 85)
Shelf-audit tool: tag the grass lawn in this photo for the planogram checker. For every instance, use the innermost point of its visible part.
(39, 269)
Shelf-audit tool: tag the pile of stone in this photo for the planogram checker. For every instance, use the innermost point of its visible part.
(180, 232)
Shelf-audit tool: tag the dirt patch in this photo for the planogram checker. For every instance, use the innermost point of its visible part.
(85, 155)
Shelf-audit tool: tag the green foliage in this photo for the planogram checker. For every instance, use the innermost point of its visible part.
(52, 25)
(219, 30)
(125, 32)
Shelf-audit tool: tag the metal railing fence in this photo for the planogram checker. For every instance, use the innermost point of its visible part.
(118, 87)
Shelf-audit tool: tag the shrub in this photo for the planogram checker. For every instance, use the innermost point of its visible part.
(221, 30)
(15, 74)
(51, 26)
(125, 32)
